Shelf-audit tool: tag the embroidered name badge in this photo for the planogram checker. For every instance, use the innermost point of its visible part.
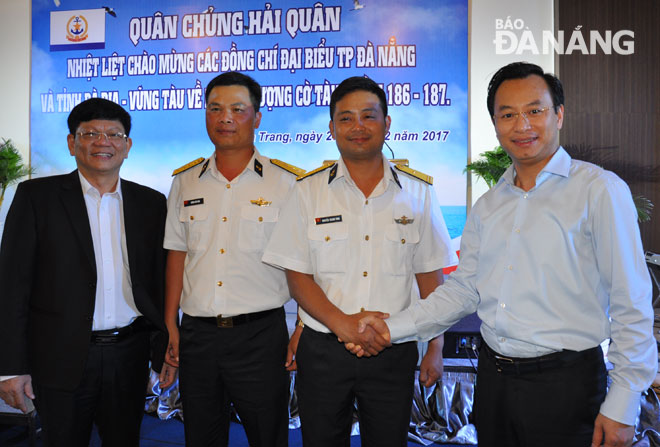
(193, 202)
(328, 219)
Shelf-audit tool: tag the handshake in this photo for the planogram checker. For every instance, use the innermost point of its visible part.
(365, 334)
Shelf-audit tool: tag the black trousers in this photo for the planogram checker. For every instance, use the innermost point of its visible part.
(555, 407)
(110, 395)
(243, 364)
(329, 380)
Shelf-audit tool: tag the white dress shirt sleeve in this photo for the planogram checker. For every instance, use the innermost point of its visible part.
(434, 249)
(288, 247)
(625, 276)
(175, 230)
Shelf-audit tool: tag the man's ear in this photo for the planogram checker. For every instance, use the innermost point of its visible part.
(331, 126)
(71, 142)
(257, 120)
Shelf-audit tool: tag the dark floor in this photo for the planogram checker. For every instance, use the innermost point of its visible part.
(157, 433)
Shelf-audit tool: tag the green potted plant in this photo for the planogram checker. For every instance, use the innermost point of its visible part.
(12, 168)
(496, 161)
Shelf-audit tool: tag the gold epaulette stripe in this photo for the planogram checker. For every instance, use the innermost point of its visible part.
(315, 171)
(187, 166)
(418, 175)
(287, 167)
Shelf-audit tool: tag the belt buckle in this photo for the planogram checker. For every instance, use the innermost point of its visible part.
(224, 321)
(106, 339)
(503, 360)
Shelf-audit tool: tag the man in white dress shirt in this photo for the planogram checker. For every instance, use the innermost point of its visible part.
(82, 274)
(233, 335)
(355, 235)
(551, 258)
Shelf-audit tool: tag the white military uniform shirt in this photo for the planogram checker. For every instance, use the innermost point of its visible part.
(224, 227)
(363, 252)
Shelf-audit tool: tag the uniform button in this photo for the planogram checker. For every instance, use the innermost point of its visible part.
(228, 186)
(366, 202)
(192, 217)
(327, 238)
(524, 196)
(222, 251)
(92, 285)
(366, 238)
(224, 219)
(403, 241)
(502, 339)
(261, 219)
(517, 230)
(510, 267)
(219, 283)
(364, 274)
(503, 305)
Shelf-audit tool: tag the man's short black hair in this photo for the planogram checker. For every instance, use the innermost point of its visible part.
(98, 109)
(521, 70)
(353, 84)
(236, 78)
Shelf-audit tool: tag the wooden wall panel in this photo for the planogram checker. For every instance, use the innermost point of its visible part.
(613, 100)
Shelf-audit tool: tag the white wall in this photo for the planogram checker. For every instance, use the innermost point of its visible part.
(15, 37)
(537, 15)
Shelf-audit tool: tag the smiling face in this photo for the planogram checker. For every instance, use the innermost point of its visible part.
(230, 118)
(529, 140)
(358, 126)
(99, 157)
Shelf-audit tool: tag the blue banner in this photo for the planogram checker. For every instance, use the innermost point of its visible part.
(156, 57)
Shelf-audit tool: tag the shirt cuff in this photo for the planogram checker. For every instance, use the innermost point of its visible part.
(175, 245)
(286, 263)
(3, 378)
(402, 327)
(621, 404)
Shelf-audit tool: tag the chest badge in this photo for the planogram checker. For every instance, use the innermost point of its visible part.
(327, 219)
(260, 202)
(193, 202)
(403, 220)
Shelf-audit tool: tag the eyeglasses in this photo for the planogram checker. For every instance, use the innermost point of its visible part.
(531, 115)
(114, 137)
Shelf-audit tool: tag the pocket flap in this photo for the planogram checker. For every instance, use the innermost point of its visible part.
(403, 234)
(328, 232)
(193, 213)
(260, 213)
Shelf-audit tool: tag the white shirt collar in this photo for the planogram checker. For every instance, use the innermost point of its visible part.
(90, 189)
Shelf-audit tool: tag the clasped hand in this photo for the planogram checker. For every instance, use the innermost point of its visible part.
(369, 334)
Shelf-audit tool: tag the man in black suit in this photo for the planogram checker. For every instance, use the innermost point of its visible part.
(82, 275)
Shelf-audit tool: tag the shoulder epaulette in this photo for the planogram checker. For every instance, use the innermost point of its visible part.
(315, 171)
(287, 167)
(418, 175)
(187, 166)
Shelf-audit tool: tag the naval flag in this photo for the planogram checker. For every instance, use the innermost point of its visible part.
(80, 29)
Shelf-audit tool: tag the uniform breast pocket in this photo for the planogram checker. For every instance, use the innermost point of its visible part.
(256, 226)
(329, 246)
(197, 222)
(398, 249)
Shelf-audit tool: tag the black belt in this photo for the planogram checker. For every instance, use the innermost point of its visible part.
(518, 365)
(112, 336)
(236, 320)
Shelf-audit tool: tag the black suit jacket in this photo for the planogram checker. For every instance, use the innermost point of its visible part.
(48, 277)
